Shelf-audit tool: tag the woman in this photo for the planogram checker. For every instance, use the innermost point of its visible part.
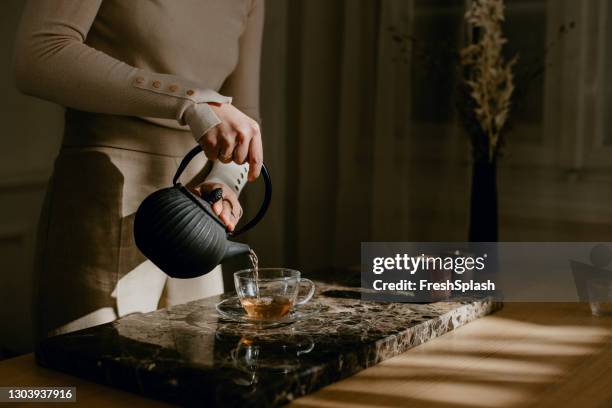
(142, 82)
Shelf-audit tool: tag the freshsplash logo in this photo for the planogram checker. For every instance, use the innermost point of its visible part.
(412, 264)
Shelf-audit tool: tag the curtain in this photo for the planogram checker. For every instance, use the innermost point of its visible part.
(339, 141)
(364, 144)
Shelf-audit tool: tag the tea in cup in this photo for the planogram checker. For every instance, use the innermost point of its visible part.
(270, 293)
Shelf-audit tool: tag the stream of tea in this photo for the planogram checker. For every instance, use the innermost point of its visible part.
(255, 263)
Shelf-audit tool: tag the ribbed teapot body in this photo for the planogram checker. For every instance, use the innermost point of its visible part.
(176, 231)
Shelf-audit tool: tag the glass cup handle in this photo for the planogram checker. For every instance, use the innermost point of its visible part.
(311, 292)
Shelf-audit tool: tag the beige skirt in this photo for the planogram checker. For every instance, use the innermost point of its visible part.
(88, 270)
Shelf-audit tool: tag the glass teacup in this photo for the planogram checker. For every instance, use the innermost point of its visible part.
(272, 293)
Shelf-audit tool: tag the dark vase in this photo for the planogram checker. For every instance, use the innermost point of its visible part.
(483, 205)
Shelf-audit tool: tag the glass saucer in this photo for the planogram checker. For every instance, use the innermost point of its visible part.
(231, 309)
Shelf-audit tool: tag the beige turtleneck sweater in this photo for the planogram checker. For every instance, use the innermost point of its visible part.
(161, 60)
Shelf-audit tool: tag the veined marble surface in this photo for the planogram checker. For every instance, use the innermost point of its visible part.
(188, 355)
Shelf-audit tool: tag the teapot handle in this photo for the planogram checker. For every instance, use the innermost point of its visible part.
(267, 194)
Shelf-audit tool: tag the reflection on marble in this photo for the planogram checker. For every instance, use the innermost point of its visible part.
(188, 355)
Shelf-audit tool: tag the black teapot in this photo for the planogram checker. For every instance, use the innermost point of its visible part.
(180, 233)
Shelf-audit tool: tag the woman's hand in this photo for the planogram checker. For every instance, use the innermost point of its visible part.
(237, 138)
(228, 208)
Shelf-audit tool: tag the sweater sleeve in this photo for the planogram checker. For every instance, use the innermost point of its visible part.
(243, 85)
(53, 62)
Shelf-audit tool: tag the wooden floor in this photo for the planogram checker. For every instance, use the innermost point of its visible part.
(544, 355)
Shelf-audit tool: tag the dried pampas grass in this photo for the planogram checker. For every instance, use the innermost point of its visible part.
(488, 77)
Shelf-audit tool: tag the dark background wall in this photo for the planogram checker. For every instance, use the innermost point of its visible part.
(367, 138)
(362, 137)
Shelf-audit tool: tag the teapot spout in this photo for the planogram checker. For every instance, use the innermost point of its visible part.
(236, 248)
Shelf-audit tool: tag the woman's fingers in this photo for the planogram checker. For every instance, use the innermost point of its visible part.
(218, 207)
(235, 204)
(227, 143)
(227, 217)
(230, 215)
(209, 143)
(242, 147)
(231, 211)
(228, 209)
(237, 138)
(206, 187)
(255, 157)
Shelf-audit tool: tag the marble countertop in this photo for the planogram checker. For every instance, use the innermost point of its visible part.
(188, 355)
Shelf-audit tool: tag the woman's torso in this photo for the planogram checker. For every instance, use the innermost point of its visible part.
(194, 39)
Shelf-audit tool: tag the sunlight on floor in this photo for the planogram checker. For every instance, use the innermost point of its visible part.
(493, 362)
